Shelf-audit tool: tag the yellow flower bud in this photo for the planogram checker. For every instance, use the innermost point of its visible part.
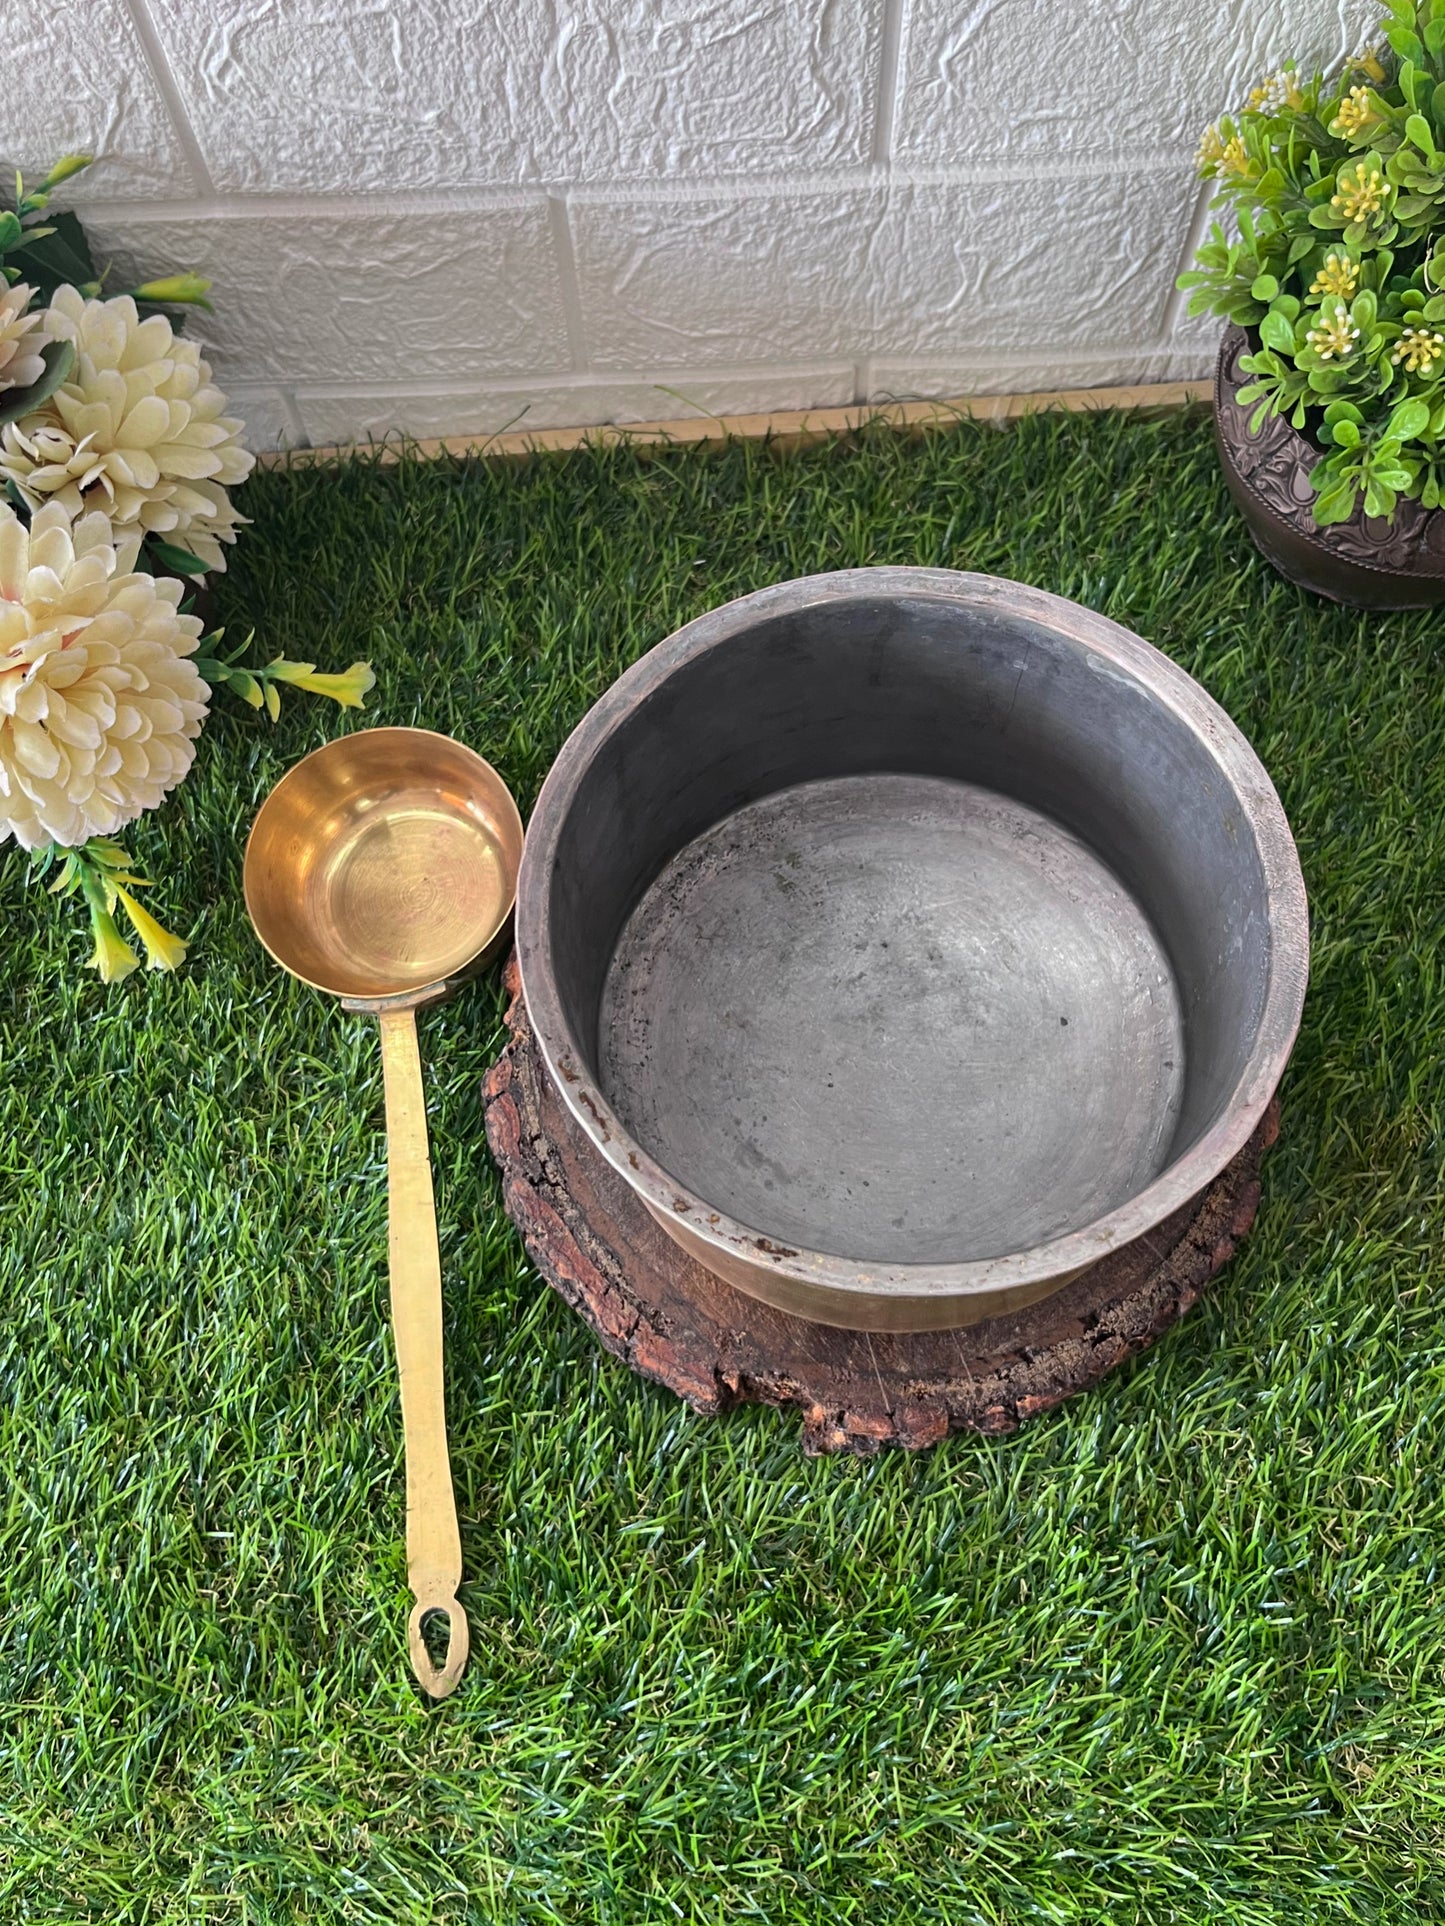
(347, 688)
(64, 168)
(175, 288)
(113, 956)
(163, 951)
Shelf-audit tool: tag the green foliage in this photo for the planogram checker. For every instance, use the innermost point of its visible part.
(1172, 1655)
(260, 685)
(101, 873)
(59, 358)
(174, 561)
(1337, 188)
(42, 249)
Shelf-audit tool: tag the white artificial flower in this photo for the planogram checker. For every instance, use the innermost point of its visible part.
(20, 343)
(99, 706)
(137, 431)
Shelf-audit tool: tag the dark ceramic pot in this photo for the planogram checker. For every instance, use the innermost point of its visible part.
(1364, 562)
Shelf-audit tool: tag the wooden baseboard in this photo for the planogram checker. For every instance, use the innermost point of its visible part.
(792, 427)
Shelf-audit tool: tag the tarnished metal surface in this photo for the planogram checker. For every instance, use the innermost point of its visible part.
(909, 940)
(897, 1019)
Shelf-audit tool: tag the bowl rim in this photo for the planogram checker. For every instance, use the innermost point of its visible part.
(739, 1244)
(340, 749)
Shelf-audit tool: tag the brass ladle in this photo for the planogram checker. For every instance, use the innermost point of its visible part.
(383, 868)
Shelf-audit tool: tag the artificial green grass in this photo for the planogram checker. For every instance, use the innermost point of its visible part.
(1172, 1653)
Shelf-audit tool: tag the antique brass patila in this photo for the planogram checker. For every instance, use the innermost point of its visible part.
(382, 869)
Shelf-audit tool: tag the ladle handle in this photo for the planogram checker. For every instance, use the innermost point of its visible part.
(433, 1542)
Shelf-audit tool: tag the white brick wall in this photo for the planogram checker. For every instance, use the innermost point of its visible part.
(458, 216)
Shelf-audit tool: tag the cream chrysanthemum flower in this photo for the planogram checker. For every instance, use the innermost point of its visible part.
(137, 431)
(99, 707)
(20, 344)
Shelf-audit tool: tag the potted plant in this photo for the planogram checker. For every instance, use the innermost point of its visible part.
(1330, 386)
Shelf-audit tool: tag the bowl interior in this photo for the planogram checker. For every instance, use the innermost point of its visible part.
(910, 930)
(897, 1018)
(384, 862)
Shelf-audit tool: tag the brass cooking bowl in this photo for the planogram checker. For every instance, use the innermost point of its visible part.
(384, 865)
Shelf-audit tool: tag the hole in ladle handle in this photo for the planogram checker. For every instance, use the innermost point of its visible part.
(438, 1681)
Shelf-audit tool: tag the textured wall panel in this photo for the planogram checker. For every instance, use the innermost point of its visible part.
(341, 297)
(73, 79)
(698, 281)
(268, 424)
(344, 417)
(932, 380)
(374, 96)
(1021, 266)
(1020, 80)
(383, 251)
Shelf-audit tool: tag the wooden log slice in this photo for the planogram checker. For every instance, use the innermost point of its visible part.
(674, 1322)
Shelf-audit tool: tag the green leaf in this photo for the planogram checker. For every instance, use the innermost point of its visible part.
(1335, 505)
(1410, 419)
(62, 258)
(178, 560)
(10, 230)
(1264, 287)
(1344, 434)
(1417, 129)
(1277, 333)
(247, 687)
(1408, 47)
(59, 357)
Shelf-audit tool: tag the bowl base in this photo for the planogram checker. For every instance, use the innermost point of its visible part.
(970, 1041)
